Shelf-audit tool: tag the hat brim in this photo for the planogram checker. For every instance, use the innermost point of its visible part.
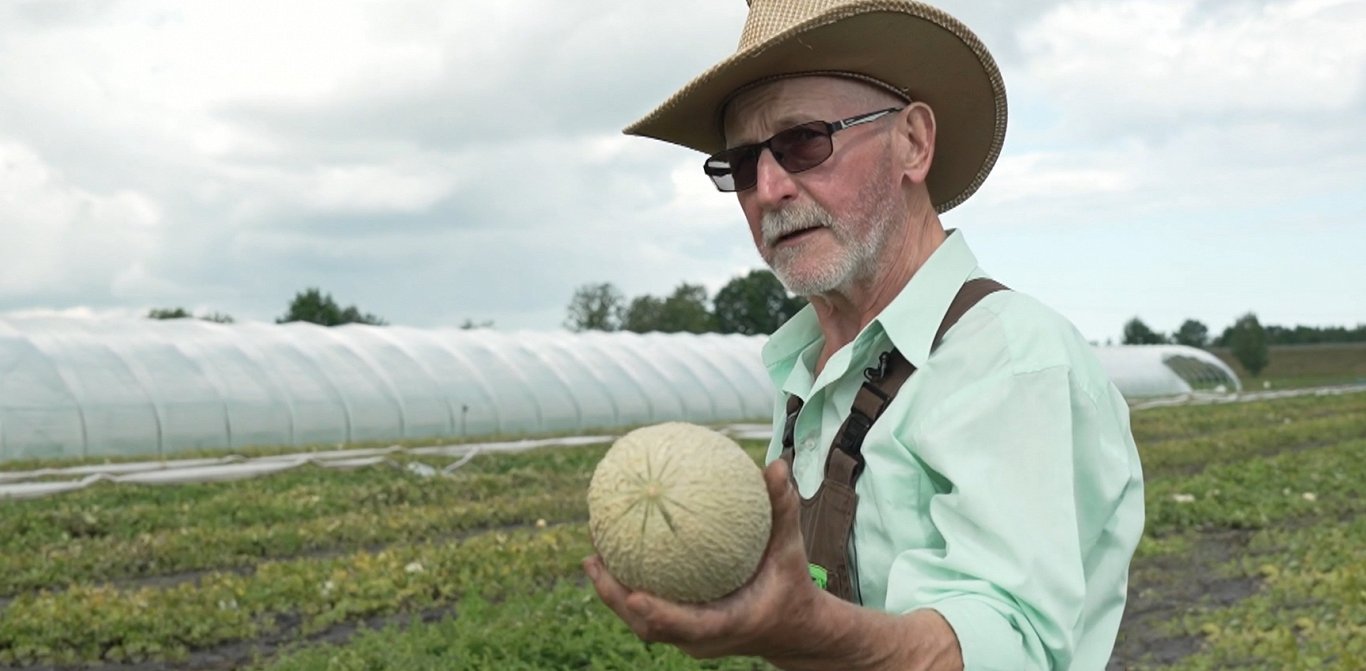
(913, 47)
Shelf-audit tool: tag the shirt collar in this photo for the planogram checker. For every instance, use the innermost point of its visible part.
(783, 352)
(913, 317)
(910, 320)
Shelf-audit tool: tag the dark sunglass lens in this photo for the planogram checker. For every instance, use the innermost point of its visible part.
(744, 166)
(802, 147)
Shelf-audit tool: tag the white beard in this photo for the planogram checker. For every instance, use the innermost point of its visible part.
(858, 261)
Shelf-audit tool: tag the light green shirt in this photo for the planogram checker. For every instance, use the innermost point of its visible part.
(1002, 485)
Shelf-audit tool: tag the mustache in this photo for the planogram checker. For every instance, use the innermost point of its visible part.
(793, 218)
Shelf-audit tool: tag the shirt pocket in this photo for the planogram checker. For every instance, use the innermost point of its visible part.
(894, 499)
(893, 517)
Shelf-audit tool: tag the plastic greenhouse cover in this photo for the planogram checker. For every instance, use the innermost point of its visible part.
(13, 484)
(92, 388)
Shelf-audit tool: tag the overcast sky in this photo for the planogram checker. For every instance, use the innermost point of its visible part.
(437, 161)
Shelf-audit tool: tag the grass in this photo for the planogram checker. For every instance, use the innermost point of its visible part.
(561, 628)
(1254, 554)
(1310, 612)
(88, 622)
(1252, 558)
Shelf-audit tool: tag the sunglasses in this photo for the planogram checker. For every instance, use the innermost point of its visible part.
(796, 149)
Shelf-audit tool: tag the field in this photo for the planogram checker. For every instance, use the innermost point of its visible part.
(1293, 366)
(1254, 558)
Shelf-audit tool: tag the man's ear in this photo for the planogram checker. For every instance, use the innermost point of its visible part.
(916, 126)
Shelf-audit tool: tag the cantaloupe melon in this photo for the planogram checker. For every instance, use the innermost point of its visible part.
(680, 511)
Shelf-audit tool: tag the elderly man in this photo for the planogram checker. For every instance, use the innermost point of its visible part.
(953, 478)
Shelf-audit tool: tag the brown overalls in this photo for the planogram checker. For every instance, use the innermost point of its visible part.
(827, 519)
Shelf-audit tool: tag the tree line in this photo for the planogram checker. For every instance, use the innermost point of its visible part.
(1194, 333)
(1247, 339)
(757, 304)
(310, 305)
(750, 304)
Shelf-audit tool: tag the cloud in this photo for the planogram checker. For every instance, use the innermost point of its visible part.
(60, 240)
(488, 72)
(1154, 107)
(323, 143)
(434, 161)
(1052, 175)
(1139, 67)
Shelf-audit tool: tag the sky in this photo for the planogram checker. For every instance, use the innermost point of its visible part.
(434, 162)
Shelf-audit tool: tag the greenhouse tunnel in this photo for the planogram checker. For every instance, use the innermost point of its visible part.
(1146, 371)
(76, 387)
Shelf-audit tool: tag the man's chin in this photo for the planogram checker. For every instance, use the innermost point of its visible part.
(807, 284)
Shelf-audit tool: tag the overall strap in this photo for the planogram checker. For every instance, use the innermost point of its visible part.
(969, 295)
(827, 518)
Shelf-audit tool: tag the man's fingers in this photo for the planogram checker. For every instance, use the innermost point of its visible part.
(650, 618)
(612, 593)
(668, 622)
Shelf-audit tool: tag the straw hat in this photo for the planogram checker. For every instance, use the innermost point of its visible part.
(910, 47)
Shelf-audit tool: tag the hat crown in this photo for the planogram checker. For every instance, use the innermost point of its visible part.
(768, 18)
(912, 48)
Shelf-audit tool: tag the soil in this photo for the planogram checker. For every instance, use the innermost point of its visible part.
(1161, 592)
(239, 654)
(1164, 590)
(191, 576)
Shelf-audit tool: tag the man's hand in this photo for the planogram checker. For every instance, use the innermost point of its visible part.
(765, 617)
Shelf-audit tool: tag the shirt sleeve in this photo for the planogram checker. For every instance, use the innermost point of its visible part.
(1010, 577)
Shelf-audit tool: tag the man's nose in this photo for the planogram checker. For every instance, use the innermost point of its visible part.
(773, 185)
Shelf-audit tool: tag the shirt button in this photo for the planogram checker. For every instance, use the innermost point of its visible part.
(808, 444)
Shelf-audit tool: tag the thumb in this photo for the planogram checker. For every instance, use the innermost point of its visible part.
(782, 494)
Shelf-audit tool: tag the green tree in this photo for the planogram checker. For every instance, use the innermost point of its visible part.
(594, 307)
(182, 313)
(1304, 335)
(753, 304)
(1138, 333)
(1247, 339)
(686, 311)
(643, 315)
(168, 313)
(312, 305)
(1192, 333)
